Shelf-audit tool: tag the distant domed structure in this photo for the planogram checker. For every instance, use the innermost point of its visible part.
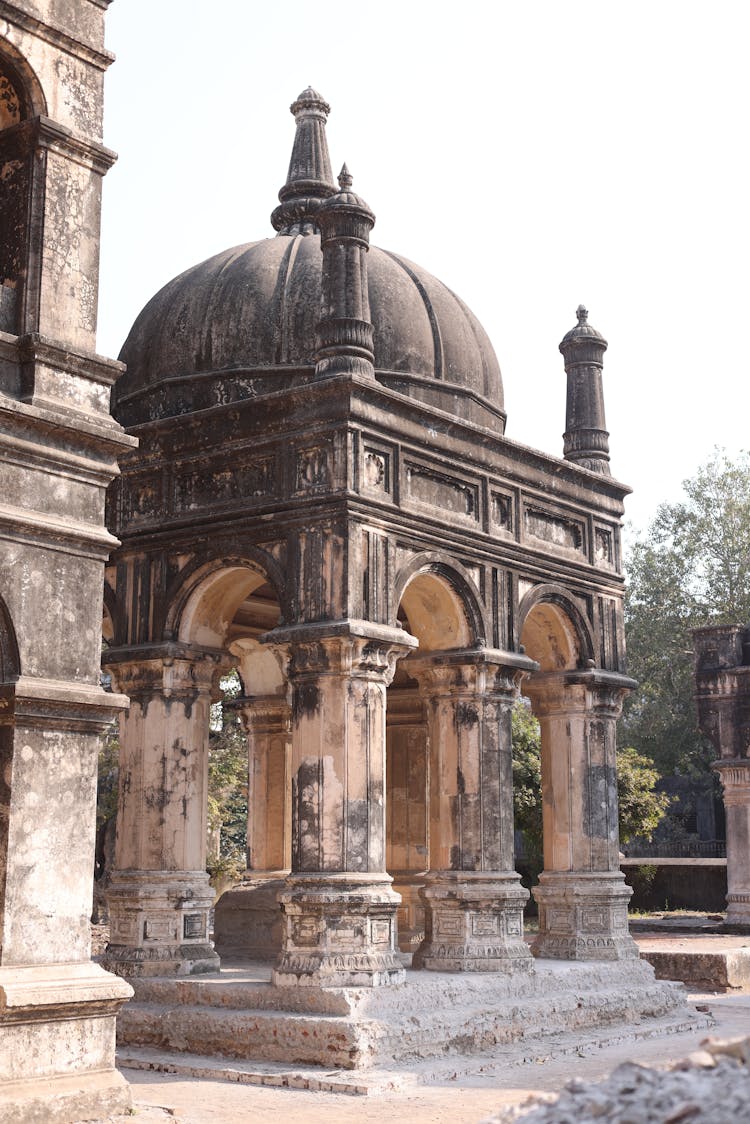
(243, 323)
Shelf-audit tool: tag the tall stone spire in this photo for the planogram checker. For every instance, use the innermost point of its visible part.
(345, 336)
(586, 437)
(309, 180)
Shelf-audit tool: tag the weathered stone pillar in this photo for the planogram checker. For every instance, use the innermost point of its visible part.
(407, 819)
(582, 896)
(339, 908)
(159, 896)
(722, 679)
(473, 897)
(247, 919)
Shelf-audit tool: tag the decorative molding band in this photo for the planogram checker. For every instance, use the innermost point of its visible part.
(100, 59)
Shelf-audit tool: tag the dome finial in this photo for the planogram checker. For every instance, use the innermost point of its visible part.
(583, 314)
(345, 178)
(309, 180)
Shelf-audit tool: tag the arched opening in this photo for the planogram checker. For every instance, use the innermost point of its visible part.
(432, 610)
(200, 764)
(20, 100)
(549, 637)
(580, 893)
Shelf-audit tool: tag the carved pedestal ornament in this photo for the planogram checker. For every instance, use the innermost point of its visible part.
(473, 897)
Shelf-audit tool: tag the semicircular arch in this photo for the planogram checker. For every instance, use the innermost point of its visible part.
(17, 71)
(206, 595)
(554, 629)
(442, 603)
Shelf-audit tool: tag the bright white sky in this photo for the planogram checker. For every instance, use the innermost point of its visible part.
(532, 155)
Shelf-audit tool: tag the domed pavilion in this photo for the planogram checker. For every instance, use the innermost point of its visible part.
(324, 498)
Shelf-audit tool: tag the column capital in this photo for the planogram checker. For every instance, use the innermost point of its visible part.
(456, 671)
(735, 779)
(263, 713)
(585, 691)
(349, 647)
(180, 673)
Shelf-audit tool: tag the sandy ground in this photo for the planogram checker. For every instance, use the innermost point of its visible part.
(160, 1098)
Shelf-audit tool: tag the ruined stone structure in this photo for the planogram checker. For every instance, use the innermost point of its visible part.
(58, 454)
(722, 682)
(323, 495)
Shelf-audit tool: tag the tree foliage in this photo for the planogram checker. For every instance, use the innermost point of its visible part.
(227, 783)
(691, 568)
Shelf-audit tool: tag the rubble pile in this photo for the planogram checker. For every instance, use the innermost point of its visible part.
(710, 1086)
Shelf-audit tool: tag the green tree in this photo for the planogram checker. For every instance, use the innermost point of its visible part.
(691, 568)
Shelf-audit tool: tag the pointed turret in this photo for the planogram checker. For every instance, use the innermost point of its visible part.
(586, 437)
(309, 180)
(345, 336)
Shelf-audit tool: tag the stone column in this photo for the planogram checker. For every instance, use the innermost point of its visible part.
(247, 918)
(339, 909)
(582, 896)
(722, 681)
(159, 896)
(473, 897)
(735, 779)
(407, 847)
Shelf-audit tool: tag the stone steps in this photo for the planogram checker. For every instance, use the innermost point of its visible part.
(491, 1067)
(433, 1014)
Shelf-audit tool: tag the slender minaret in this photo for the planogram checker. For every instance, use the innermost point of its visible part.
(586, 437)
(309, 180)
(345, 337)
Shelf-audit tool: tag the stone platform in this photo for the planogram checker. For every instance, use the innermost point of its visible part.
(238, 1013)
(714, 961)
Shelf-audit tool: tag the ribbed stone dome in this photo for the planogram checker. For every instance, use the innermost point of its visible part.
(243, 323)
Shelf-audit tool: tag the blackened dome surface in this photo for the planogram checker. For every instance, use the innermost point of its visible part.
(238, 323)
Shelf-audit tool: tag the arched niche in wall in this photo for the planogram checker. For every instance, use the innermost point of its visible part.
(21, 100)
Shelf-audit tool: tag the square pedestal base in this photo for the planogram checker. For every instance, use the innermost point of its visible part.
(583, 916)
(159, 924)
(339, 932)
(474, 924)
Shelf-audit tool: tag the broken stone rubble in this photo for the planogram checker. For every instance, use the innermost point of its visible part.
(710, 1086)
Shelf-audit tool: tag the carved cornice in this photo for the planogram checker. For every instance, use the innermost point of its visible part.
(101, 59)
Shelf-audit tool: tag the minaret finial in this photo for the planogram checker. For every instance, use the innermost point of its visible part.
(309, 180)
(586, 440)
(345, 332)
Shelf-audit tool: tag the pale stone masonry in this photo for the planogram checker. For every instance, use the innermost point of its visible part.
(58, 449)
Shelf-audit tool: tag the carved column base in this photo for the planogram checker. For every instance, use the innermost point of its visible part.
(411, 911)
(583, 916)
(339, 931)
(247, 918)
(738, 912)
(159, 923)
(474, 923)
(57, 1028)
